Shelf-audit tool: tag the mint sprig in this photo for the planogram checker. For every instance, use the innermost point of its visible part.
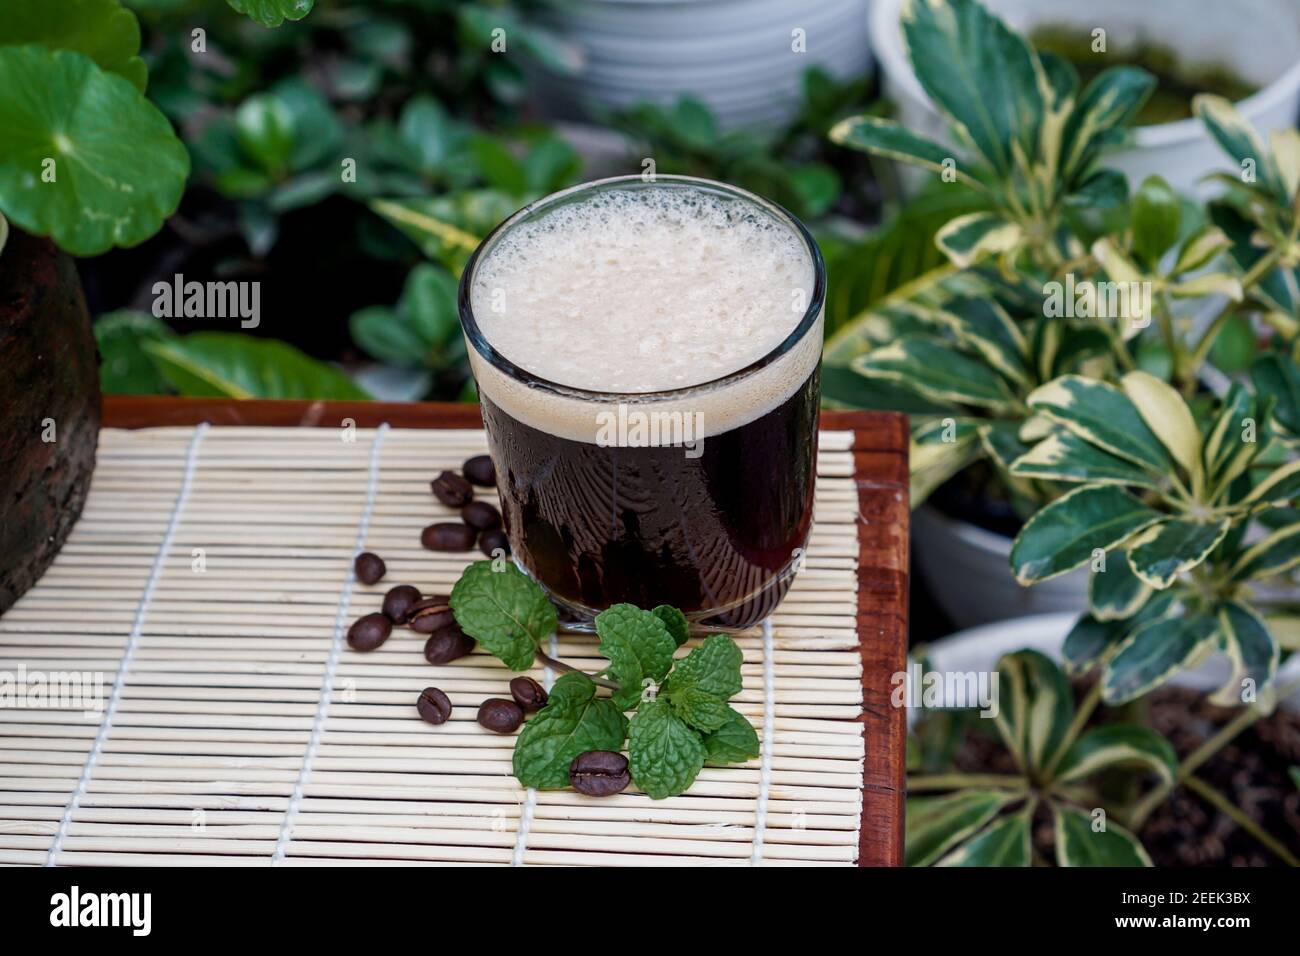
(504, 610)
(639, 648)
(573, 721)
(664, 754)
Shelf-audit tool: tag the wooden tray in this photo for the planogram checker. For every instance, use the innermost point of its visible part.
(237, 728)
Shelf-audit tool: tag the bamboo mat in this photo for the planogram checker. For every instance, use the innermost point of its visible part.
(209, 582)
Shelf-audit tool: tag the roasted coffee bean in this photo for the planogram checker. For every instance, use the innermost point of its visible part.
(481, 515)
(599, 773)
(528, 694)
(433, 705)
(490, 542)
(449, 536)
(398, 602)
(370, 567)
(429, 615)
(500, 715)
(447, 645)
(369, 632)
(480, 471)
(452, 490)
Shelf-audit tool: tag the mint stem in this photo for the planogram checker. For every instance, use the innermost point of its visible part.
(551, 662)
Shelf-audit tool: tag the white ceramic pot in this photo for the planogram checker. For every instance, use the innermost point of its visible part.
(967, 570)
(735, 55)
(1259, 40)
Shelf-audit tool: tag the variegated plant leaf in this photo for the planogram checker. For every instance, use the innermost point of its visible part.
(1245, 638)
(1118, 745)
(977, 235)
(1004, 842)
(1001, 442)
(1285, 145)
(1281, 487)
(1225, 453)
(1212, 283)
(1274, 554)
(1117, 592)
(882, 137)
(1132, 310)
(1067, 532)
(1081, 843)
(1168, 416)
(1106, 106)
(984, 326)
(1102, 415)
(1154, 653)
(936, 370)
(1064, 456)
(1036, 708)
(1168, 549)
(1092, 640)
(939, 449)
(1278, 375)
(936, 824)
(1238, 139)
(1200, 249)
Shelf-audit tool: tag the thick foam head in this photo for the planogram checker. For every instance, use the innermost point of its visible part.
(641, 289)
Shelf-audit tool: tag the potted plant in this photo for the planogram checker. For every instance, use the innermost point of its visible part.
(1248, 52)
(1178, 500)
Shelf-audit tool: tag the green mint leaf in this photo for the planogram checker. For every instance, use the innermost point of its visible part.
(505, 611)
(573, 721)
(733, 742)
(699, 708)
(664, 754)
(638, 646)
(675, 621)
(713, 667)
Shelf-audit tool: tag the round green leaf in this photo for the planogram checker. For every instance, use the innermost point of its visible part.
(272, 13)
(264, 129)
(117, 169)
(1156, 218)
(231, 365)
(101, 29)
(125, 367)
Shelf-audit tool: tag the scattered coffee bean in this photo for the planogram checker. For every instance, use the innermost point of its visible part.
(528, 694)
(452, 490)
(369, 632)
(599, 773)
(480, 471)
(429, 615)
(481, 515)
(398, 602)
(447, 645)
(490, 542)
(370, 567)
(500, 715)
(433, 705)
(448, 536)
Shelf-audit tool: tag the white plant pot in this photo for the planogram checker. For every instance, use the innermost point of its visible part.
(735, 55)
(1259, 40)
(967, 570)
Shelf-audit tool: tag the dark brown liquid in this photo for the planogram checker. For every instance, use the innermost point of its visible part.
(601, 525)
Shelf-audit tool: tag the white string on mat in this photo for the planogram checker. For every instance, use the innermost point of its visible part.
(530, 798)
(769, 723)
(336, 645)
(128, 652)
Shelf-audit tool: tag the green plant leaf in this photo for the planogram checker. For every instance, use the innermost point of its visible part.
(1278, 375)
(1065, 534)
(1036, 707)
(272, 13)
(664, 754)
(935, 825)
(1246, 640)
(383, 334)
(713, 667)
(125, 368)
(101, 29)
(1153, 653)
(735, 741)
(638, 647)
(1103, 415)
(1116, 593)
(1156, 217)
(1001, 441)
(1225, 453)
(429, 303)
(264, 131)
(984, 326)
(118, 168)
(1168, 417)
(1078, 844)
(498, 166)
(1274, 554)
(1164, 551)
(1106, 106)
(1064, 456)
(1090, 640)
(935, 370)
(573, 721)
(504, 610)
(967, 239)
(1002, 843)
(231, 365)
(701, 710)
(872, 134)
(448, 228)
(675, 621)
(1281, 487)
(1118, 745)
(1238, 139)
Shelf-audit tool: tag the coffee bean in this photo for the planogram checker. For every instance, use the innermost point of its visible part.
(369, 632)
(447, 645)
(500, 715)
(429, 615)
(448, 536)
(480, 471)
(599, 773)
(481, 515)
(490, 542)
(398, 602)
(433, 705)
(452, 490)
(370, 567)
(528, 694)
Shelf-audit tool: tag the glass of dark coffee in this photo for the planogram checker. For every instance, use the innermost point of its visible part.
(646, 353)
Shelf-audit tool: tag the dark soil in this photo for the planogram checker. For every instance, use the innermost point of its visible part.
(1251, 771)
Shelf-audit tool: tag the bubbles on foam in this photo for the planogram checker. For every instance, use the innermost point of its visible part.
(642, 290)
